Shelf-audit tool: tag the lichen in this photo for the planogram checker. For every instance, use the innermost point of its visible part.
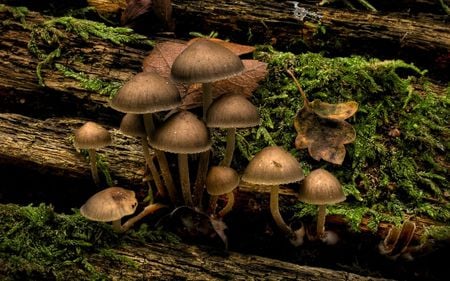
(38, 244)
(398, 164)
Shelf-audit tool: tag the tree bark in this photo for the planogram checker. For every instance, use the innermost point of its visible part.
(340, 32)
(184, 262)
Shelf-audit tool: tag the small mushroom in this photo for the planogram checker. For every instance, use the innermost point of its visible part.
(231, 111)
(182, 133)
(147, 93)
(92, 136)
(273, 166)
(132, 125)
(397, 241)
(321, 188)
(110, 205)
(221, 180)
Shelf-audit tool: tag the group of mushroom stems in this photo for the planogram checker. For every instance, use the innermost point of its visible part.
(183, 133)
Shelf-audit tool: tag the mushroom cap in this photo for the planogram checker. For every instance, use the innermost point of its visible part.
(91, 136)
(273, 166)
(146, 92)
(221, 180)
(109, 204)
(205, 61)
(232, 111)
(133, 125)
(321, 188)
(182, 133)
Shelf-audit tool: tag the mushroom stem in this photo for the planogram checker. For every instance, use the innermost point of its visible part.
(117, 226)
(228, 206)
(152, 167)
(212, 204)
(202, 170)
(229, 150)
(321, 213)
(184, 178)
(207, 98)
(150, 209)
(94, 170)
(275, 211)
(162, 160)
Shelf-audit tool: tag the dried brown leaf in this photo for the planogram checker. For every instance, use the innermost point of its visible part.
(324, 138)
(243, 84)
(340, 111)
(163, 55)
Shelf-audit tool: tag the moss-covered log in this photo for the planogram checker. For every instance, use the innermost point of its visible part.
(38, 244)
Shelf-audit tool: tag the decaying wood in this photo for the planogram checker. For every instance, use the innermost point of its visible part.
(289, 26)
(46, 146)
(183, 262)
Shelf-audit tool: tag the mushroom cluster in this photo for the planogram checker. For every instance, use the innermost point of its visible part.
(183, 133)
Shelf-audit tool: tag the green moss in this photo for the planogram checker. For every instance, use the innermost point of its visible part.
(384, 176)
(38, 244)
(91, 83)
(18, 14)
(49, 40)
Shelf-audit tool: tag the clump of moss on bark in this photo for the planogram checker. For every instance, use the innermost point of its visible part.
(398, 166)
(38, 244)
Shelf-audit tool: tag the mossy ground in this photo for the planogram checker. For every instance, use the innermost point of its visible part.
(38, 244)
(387, 176)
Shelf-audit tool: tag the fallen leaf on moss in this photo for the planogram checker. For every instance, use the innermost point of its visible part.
(324, 138)
(340, 111)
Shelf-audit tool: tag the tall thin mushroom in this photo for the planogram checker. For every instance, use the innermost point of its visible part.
(229, 112)
(132, 125)
(321, 188)
(273, 166)
(147, 93)
(182, 133)
(92, 136)
(205, 62)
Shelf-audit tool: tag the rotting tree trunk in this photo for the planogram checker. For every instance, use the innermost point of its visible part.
(291, 26)
(46, 146)
(183, 262)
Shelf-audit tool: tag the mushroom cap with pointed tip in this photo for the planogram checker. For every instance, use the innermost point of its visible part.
(146, 92)
(221, 180)
(273, 166)
(232, 111)
(205, 61)
(110, 204)
(133, 125)
(321, 188)
(182, 133)
(91, 136)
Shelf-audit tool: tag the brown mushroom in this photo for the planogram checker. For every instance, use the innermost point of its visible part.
(221, 180)
(147, 93)
(205, 62)
(92, 136)
(182, 133)
(110, 205)
(273, 166)
(132, 125)
(321, 188)
(231, 111)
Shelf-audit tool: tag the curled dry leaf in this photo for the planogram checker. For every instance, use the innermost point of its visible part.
(163, 55)
(324, 138)
(340, 111)
(134, 9)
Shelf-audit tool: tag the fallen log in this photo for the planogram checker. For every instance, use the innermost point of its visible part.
(174, 262)
(45, 146)
(290, 25)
